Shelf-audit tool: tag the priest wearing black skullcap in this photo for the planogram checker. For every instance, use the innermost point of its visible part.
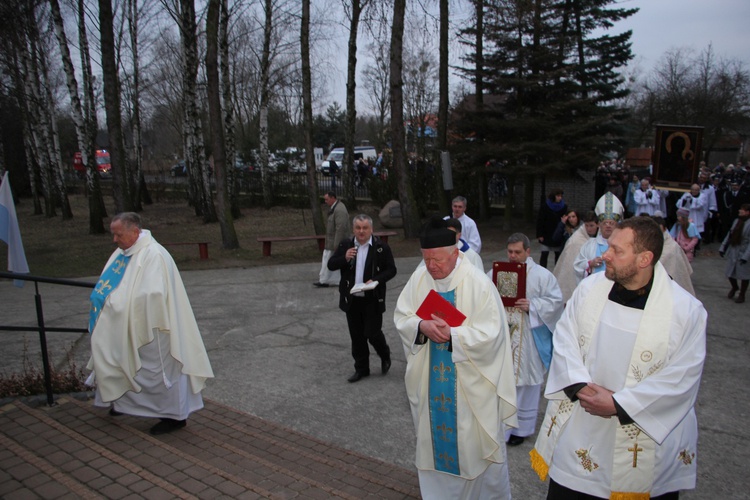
(459, 379)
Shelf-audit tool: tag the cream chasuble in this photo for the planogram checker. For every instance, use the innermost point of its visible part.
(652, 360)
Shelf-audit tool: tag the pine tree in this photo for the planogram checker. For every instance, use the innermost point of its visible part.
(551, 86)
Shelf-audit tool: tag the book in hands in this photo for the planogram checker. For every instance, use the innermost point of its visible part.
(363, 287)
(437, 305)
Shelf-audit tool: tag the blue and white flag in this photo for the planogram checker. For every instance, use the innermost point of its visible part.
(10, 233)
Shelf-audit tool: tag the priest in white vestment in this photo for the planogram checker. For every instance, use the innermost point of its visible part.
(647, 199)
(469, 227)
(459, 379)
(531, 321)
(564, 270)
(628, 358)
(147, 354)
(610, 212)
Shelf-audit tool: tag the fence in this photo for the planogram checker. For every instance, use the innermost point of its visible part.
(41, 327)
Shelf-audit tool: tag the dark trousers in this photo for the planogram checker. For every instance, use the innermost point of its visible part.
(560, 492)
(366, 324)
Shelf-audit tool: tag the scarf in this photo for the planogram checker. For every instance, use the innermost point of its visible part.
(555, 207)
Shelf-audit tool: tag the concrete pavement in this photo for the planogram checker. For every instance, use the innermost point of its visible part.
(280, 350)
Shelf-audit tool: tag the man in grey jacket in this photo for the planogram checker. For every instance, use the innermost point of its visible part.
(337, 230)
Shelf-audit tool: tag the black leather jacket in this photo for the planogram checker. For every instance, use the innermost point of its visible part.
(379, 267)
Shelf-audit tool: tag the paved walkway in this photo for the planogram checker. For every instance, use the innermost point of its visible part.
(73, 450)
(280, 351)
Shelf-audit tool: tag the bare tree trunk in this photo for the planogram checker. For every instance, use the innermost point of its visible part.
(37, 124)
(233, 184)
(140, 191)
(443, 102)
(22, 99)
(120, 181)
(195, 155)
(409, 211)
(265, 68)
(52, 136)
(347, 173)
(228, 234)
(307, 118)
(97, 208)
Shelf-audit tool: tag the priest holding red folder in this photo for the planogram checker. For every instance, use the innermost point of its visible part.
(459, 372)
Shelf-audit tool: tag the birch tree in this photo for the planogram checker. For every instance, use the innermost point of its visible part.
(91, 125)
(96, 222)
(265, 76)
(228, 234)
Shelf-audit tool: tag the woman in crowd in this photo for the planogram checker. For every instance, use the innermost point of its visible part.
(685, 233)
(566, 227)
(552, 209)
(736, 247)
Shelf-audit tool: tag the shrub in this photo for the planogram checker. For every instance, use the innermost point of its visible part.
(31, 381)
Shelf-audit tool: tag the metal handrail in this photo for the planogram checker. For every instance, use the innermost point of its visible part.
(41, 328)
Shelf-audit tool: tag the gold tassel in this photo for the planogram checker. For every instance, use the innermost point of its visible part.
(621, 495)
(539, 465)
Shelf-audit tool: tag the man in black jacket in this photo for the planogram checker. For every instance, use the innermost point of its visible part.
(361, 260)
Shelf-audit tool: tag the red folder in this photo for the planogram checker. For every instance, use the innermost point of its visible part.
(512, 281)
(437, 305)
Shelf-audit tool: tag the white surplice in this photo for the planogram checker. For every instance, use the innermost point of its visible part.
(652, 359)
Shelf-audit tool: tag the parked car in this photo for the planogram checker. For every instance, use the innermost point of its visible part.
(337, 154)
(103, 164)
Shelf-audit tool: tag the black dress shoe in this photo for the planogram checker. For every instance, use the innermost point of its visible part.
(385, 365)
(114, 413)
(167, 425)
(358, 376)
(320, 285)
(514, 440)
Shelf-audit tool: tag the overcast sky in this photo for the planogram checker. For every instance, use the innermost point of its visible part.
(661, 25)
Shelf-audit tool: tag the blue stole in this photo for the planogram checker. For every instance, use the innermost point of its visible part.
(108, 281)
(442, 404)
(600, 249)
(543, 341)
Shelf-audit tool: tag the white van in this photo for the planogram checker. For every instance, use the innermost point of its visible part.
(337, 155)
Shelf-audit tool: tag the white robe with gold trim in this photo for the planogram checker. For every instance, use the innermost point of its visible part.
(657, 387)
(484, 370)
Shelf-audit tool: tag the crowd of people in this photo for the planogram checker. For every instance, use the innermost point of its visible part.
(709, 212)
(621, 375)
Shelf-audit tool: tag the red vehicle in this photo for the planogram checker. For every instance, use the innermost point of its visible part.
(102, 162)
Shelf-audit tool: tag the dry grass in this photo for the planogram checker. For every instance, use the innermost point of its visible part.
(64, 249)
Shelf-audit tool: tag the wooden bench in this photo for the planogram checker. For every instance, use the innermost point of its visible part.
(321, 238)
(202, 247)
